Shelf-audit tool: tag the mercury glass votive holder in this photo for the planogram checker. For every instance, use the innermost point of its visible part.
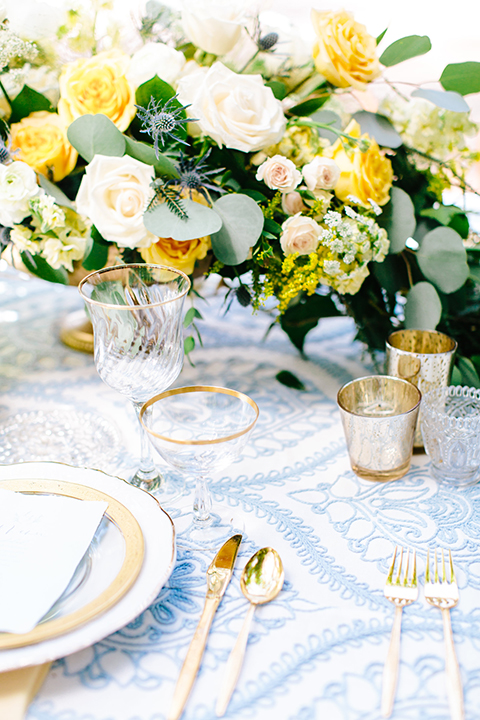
(451, 434)
(425, 358)
(379, 415)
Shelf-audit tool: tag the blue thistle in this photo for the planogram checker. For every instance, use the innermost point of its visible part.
(4, 152)
(161, 120)
(192, 175)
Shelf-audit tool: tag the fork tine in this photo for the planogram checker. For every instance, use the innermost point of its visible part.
(405, 577)
(427, 568)
(392, 566)
(444, 574)
(436, 566)
(397, 581)
(452, 573)
(414, 577)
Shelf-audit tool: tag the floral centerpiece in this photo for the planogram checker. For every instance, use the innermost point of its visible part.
(218, 144)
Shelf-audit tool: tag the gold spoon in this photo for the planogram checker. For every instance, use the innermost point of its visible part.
(261, 581)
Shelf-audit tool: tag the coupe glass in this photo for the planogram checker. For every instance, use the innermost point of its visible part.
(136, 313)
(200, 430)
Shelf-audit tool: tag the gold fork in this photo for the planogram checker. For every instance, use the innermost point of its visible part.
(400, 592)
(444, 595)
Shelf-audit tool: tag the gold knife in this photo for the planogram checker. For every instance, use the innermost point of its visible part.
(218, 576)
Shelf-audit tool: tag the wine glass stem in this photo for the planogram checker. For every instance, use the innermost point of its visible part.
(147, 470)
(202, 504)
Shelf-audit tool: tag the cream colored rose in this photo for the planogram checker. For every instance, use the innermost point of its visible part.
(113, 194)
(300, 235)
(18, 185)
(237, 111)
(344, 53)
(292, 203)
(214, 26)
(155, 59)
(279, 173)
(321, 174)
(97, 85)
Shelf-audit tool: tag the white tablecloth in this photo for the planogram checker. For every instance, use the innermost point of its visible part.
(318, 650)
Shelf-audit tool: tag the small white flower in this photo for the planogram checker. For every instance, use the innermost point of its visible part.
(279, 173)
(49, 214)
(18, 185)
(59, 254)
(21, 237)
(332, 267)
(321, 174)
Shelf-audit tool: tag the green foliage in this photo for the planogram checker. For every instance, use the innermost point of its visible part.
(96, 134)
(465, 373)
(450, 216)
(278, 88)
(404, 49)
(201, 221)
(308, 106)
(285, 377)
(26, 102)
(398, 219)
(161, 92)
(38, 266)
(299, 319)
(423, 308)
(443, 259)
(190, 316)
(463, 78)
(448, 100)
(96, 256)
(381, 36)
(242, 225)
(55, 192)
(189, 346)
(146, 154)
(378, 127)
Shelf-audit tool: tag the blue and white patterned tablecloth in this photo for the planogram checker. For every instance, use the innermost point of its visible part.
(318, 650)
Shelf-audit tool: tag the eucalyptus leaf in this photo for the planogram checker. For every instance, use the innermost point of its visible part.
(398, 219)
(96, 257)
(327, 117)
(463, 78)
(278, 88)
(146, 154)
(287, 378)
(202, 221)
(94, 135)
(443, 259)
(38, 266)
(475, 273)
(53, 190)
(379, 127)
(423, 308)
(242, 226)
(309, 106)
(449, 100)
(442, 214)
(404, 49)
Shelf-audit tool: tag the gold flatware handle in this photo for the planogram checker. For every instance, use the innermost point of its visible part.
(18, 688)
(192, 661)
(454, 680)
(234, 665)
(390, 670)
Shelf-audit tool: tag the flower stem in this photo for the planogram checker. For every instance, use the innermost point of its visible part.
(249, 62)
(7, 98)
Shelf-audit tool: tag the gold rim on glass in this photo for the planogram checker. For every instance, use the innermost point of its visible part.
(133, 266)
(397, 335)
(200, 388)
(126, 576)
(368, 377)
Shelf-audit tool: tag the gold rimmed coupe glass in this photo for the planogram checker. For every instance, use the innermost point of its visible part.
(200, 430)
(136, 312)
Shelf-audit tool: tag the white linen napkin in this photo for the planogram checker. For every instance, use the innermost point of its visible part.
(42, 540)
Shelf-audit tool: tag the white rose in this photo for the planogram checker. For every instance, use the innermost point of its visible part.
(279, 173)
(155, 59)
(321, 174)
(237, 111)
(18, 184)
(292, 203)
(113, 194)
(213, 25)
(300, 235)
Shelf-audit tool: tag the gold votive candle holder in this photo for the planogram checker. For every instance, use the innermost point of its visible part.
(379, 416)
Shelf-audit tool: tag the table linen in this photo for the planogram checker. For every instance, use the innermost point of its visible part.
(318, 650)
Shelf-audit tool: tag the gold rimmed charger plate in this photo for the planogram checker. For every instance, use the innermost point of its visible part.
(123, 581)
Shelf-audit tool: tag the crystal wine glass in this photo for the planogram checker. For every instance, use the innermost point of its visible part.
(200, 430)
(136, 313)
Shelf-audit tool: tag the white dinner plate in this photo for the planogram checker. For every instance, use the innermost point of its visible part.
(159, 558)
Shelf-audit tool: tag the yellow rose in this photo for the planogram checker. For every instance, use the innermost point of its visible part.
(179, 255)
(97, 85)
(344, 53)
(366, 176)
(41, 142)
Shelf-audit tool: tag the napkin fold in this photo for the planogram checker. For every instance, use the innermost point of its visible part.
(18, 688)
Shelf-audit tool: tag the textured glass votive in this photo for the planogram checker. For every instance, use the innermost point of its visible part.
(451, 434)
(379, 415)
(424, 357)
